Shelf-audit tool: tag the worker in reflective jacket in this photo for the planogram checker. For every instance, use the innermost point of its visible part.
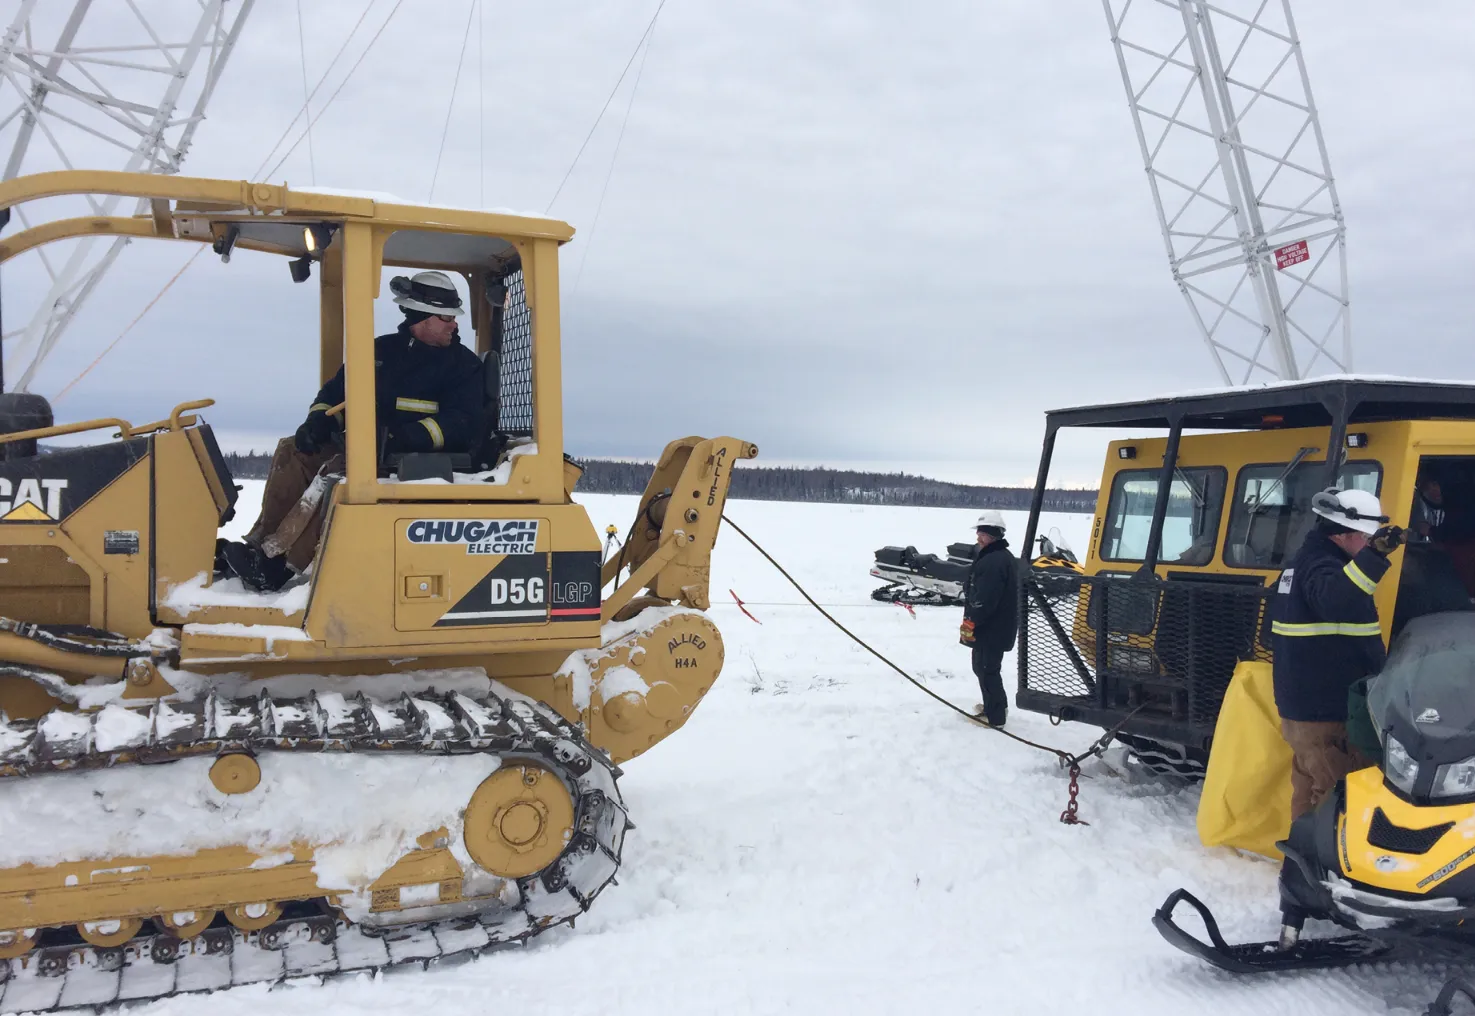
(428, 391)
(1326, 636)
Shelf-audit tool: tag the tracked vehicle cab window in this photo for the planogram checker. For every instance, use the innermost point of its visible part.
(1190, 529)
(1271, 512)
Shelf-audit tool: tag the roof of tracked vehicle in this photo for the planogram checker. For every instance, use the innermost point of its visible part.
(1307, 403)
(271, 210)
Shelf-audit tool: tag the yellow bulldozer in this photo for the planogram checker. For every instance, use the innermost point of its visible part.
(408, 753)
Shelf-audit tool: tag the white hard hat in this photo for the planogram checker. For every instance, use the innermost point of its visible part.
(1355, 509)
(429, 292)
(991, 518)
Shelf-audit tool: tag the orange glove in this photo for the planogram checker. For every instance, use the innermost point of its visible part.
(965, 632)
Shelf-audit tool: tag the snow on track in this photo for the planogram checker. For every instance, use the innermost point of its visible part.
(821, 837)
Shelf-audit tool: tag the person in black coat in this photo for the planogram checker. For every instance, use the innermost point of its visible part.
(991, 615)
(1326, 637)
(429, 398)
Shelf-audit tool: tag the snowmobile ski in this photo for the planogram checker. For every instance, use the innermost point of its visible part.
(1262, 957)
(1443, 1004)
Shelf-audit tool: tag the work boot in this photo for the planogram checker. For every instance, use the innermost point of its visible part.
(255, 569)
(222, 567)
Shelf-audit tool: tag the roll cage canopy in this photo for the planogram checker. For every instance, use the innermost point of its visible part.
(1316, 403)
(1335, 402)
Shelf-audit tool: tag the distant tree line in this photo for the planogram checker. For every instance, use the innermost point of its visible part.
(793, 483)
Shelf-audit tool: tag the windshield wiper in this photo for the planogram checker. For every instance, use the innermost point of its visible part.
(1280, 480)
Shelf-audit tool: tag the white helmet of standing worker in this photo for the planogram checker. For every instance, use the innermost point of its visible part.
(991, 519)
(427, 292)
(1355, 509)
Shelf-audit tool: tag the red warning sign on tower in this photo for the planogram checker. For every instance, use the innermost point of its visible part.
(1291, 254)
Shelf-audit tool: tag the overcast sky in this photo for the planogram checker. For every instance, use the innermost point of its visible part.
(854, 233)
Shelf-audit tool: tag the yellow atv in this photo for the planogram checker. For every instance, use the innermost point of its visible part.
(409, 753)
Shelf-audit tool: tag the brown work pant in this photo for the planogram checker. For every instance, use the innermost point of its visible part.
(1321, 757)
(295, 503)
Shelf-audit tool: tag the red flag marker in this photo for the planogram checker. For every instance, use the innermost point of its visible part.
(743, 608)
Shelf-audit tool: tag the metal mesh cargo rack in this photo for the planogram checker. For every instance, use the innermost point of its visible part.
(1098, 648)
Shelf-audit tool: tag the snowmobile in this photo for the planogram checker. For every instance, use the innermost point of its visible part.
(1389, 855)
(922, 579)
(408, 753)
(927, 579)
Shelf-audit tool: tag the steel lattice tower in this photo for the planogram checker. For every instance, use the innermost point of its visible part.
(1239, 173)
(117, 85)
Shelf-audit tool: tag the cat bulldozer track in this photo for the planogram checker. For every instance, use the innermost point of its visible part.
(407, 754)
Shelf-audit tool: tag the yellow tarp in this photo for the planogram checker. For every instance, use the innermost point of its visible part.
(1246, 799)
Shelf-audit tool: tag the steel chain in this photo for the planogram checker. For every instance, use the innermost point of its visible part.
(1070, 816)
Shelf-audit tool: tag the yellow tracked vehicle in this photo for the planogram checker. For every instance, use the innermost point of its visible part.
(410, 752)
(1166, 639)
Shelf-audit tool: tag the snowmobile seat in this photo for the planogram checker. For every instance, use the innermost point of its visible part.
(951, 569)
(962, 550)
(922, 562)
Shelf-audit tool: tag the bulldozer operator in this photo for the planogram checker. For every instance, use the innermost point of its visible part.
(428, 398)
(1327, 637)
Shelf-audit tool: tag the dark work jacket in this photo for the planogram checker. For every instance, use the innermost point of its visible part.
(1325, 629)
(991, 597)
(429, 397)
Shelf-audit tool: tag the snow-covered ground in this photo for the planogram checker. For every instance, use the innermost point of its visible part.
(821, 837)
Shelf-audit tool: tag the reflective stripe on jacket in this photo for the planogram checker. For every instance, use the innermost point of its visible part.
(1324, 629)
(430, 398)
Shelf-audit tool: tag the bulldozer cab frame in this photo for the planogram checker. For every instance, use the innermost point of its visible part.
(404, 569)
(508, 262)
(1180, 575)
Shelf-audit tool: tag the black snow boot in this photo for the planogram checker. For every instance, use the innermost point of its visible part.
(254, 568)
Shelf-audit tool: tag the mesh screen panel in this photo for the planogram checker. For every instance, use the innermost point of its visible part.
(516, 417)
(1113, 644)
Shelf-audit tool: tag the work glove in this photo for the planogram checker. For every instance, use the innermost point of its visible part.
(965, 632)
(407, 437)
(316, 431)
(1386, 540)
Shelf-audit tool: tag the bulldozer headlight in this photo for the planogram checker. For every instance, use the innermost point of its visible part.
(1400, 768)
(1455, 780)
(315, 239)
